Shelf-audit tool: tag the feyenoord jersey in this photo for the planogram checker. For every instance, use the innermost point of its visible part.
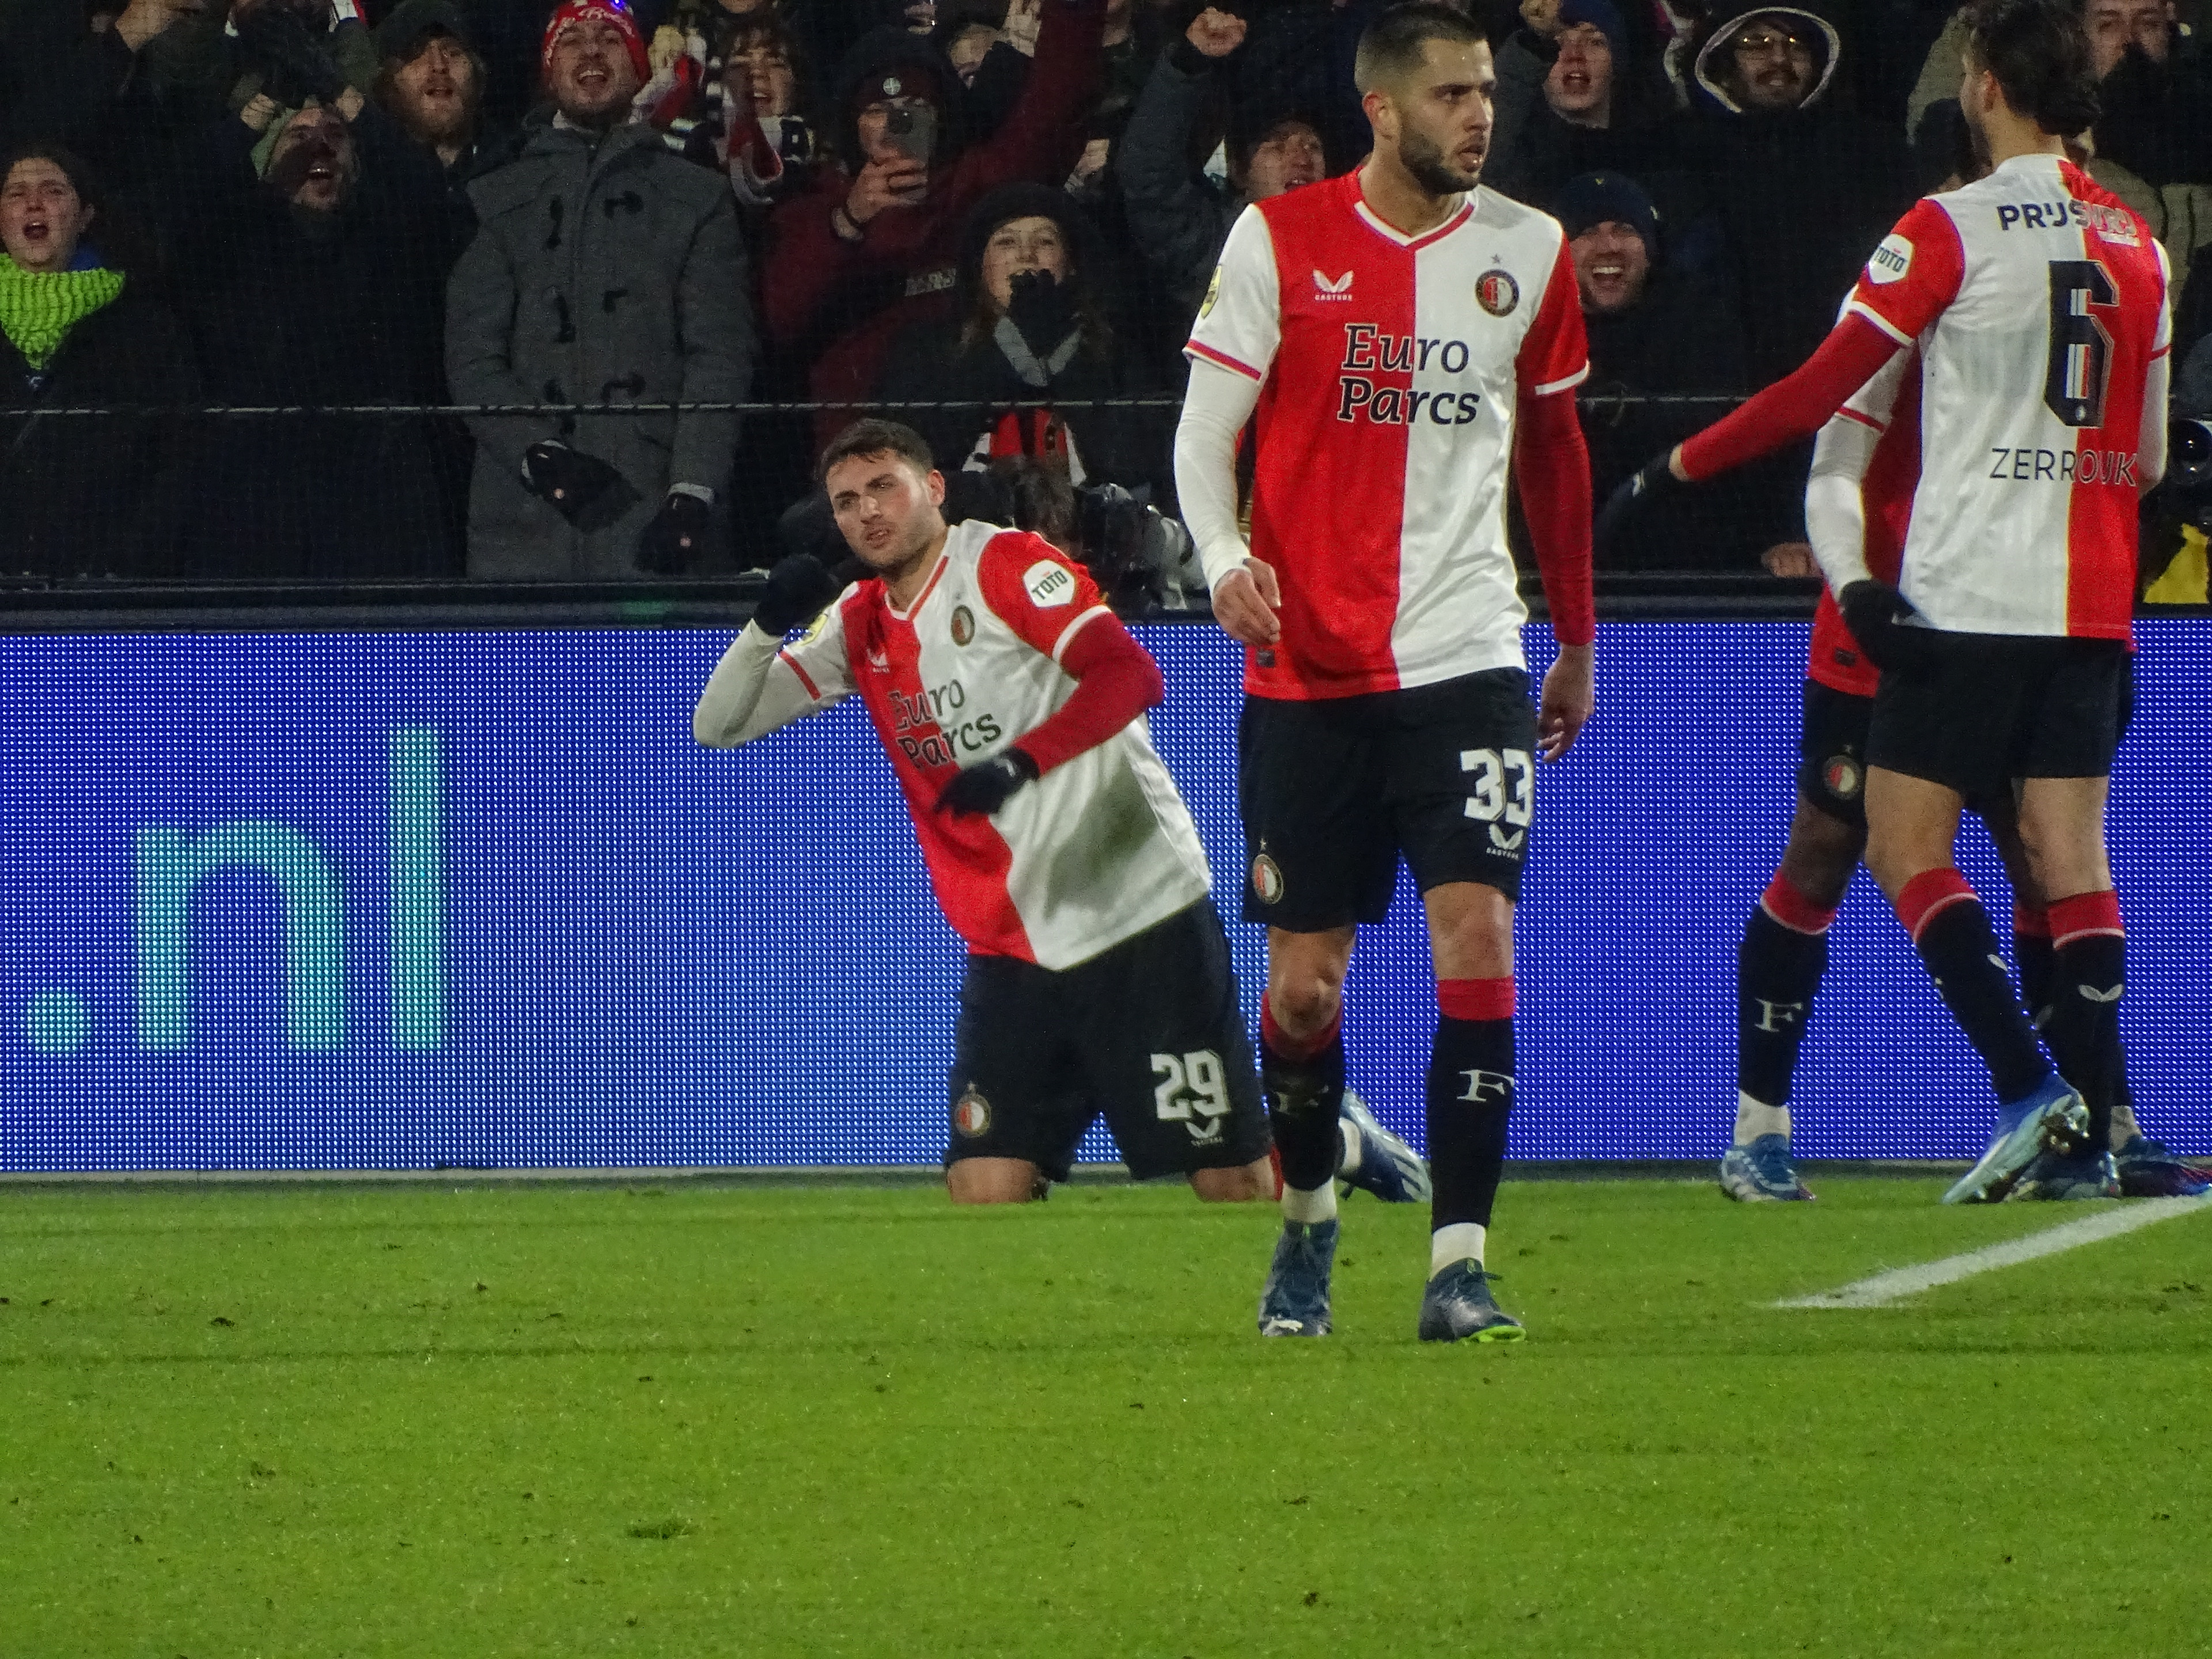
(1094, 852)
(1876, 436)
(2039, 304)
(1389, 366)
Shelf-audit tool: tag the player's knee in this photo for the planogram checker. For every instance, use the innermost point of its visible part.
(1822, 852)
(1244, 1184)
(992, 1181)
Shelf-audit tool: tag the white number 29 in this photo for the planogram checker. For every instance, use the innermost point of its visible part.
(1190, 1082)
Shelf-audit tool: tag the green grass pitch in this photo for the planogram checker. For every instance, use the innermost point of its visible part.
(737, 1419)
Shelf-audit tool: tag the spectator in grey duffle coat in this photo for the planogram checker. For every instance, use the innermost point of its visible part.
(606, 270)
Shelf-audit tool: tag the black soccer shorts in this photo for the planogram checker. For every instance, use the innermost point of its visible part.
(1973, 712)
(1333, 791)
(1149, 1031)
(1831, 754)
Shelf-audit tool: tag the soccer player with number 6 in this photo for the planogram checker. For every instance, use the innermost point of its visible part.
(1401, 335)
(2038, 306)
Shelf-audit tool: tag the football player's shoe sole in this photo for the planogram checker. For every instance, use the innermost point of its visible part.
(1388, 1168)
(2060, 1175)
(2054, 1119)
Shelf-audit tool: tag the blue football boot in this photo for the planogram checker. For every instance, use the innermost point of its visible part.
(2148, 1170)
(1387, 1168)
(2054, 1119)
(1458, 1304)
(1762, 1173)
(1294, 1302)
(2066, 1176)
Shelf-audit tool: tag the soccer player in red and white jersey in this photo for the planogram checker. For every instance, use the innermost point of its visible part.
(1012, 702)
(2038, 305)
(1395, 337)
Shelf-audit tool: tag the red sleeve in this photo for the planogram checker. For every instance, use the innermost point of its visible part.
(1551, 464)
(1037, 591)
(1115, 681)
(806, 260)
(1795, 406)
(1913, 275)
(1554, 354)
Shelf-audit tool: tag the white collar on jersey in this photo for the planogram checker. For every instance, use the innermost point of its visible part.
(1376, 223)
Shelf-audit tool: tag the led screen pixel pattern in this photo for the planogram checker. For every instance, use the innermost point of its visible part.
(360, 901)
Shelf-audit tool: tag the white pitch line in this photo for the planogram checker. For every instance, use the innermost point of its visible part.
(1883, 1289)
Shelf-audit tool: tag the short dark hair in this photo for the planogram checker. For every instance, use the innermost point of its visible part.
(2039, 54)
(875, 436)
(73, 167)
(1393, 43)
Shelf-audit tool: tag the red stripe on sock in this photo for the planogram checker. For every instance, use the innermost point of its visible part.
(1929, 893)
(1272, 1036)
(2030, 924)
(2083, 915)
(1793, 910)
(1275, 1164)
(1475, 999)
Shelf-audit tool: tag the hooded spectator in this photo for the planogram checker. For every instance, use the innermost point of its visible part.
(1178, 218)
(1570, 102)
(1030, 325)
(314, 280)
(605, 270)
(873, 248)
(432, 82)
(1803, 189)
(86, 495)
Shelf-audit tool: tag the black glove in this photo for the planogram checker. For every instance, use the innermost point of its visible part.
(1041, 309)
(984, 787)
(798, 588)
(583, 489)
(295, 63)
(1634, 494)
(1873, 611)
(676, 536)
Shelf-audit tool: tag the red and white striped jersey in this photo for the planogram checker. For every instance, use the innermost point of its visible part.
(1390, 367)
(2039, 304)
(1858, 506)
(1094, 852)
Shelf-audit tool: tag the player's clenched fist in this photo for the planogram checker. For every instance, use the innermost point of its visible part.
(1570, 695)
(1245, 603)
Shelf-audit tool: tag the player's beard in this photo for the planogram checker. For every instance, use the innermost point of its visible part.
(1423, 158)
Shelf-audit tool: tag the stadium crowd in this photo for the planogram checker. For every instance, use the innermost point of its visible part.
(304, 205)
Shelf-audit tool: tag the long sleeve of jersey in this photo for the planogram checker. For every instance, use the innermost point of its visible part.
(1797, 405)
(1115, 681)
(755, 690)
(1215, 409)
(1553, 464)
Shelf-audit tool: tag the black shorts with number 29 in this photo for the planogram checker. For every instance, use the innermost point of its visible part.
(1148, 1032)
(1333, 790)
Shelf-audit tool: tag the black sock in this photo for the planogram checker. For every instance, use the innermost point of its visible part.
(1952, 933)
(2031, 954)
(2084, 1031)
(1470, 1096)
(1305, 1097)
(1777, 972)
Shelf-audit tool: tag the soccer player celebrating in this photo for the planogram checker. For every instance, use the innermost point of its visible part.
(2038, 306)
(1012, 704)
(1858, 504)
(1400, 333)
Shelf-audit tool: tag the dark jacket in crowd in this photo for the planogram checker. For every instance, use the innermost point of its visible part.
(1063, 348)
(1179, 218)
(1802, 197)
(95, 495)
(2155, 118)
(290, 307)
(605, 269)
(838, 305)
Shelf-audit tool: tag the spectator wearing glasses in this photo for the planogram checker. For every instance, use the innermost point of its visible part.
(1803, 188)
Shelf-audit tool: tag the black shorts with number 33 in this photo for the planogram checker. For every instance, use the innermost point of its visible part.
(1333, 790)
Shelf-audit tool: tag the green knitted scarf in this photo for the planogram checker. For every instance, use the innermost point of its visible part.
(37, 308)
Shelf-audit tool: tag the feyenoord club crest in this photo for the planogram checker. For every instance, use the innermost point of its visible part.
(1843, 776)
(1267, 879)
(972, 1117)
(963, 624)
(1496, 293)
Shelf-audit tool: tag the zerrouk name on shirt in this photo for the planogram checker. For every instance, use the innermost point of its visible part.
(1368, 351)
(926, 739)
